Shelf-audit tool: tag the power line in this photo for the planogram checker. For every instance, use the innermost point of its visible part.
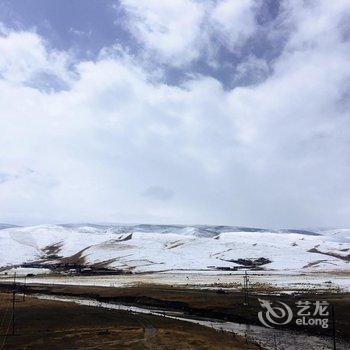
(12, 320)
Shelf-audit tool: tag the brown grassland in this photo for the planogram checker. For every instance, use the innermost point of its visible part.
(43, 324)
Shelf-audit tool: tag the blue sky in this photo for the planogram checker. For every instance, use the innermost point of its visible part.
(183, 111)
(86, 27)
(83, 26)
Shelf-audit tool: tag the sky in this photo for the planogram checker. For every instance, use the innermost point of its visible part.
(191, 112)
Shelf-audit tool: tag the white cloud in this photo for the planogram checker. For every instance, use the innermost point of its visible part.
(252, 70)
(178, 32)
(315, 23)
(170, 29)
(23, 54)
(234, 21)
(118, 142)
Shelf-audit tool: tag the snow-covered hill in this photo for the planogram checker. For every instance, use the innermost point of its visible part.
(142, 248)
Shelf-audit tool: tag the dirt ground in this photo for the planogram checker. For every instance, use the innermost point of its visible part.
(43, 324)
(214, 304)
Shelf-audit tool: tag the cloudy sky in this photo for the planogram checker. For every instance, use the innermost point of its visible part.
(180, 111)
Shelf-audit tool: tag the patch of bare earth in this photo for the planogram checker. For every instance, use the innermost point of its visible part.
(43, 324)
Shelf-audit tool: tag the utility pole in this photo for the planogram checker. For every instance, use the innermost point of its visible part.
(333, 328)
(246, 289)
(13, 304)
(247, 332)
(24, 288)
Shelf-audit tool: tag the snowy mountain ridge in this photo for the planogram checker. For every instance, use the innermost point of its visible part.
(154, 248)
